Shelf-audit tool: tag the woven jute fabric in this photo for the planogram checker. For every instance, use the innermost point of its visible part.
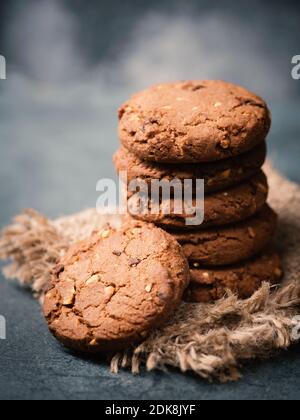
(211, 340)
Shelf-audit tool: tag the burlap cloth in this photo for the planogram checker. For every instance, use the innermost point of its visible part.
(210, 340)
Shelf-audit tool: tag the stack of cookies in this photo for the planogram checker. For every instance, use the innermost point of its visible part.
(214, 131)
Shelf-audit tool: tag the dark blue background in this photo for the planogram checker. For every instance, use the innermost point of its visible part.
(70, 64)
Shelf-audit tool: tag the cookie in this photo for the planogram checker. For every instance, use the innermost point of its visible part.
(112, 289)
(221, 208)
(217, 175)
(208, 285)
(196, 121)
(230, 244)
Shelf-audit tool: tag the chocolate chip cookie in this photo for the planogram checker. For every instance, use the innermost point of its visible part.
(221, 208)
(217, 175)
(208, 285)
(112, 289)
(230, 244)
(195, 121)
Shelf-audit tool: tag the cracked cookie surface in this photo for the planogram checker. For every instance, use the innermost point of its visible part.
(230, 244)
(194, 121)
(217, 175)
(208, 285)
(112, 289)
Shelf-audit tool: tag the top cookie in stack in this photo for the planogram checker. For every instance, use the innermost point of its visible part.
(215, 131)
(196, 122)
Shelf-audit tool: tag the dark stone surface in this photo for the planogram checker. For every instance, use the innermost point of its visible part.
(34, 366)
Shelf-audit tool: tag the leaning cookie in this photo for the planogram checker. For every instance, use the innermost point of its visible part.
(216, 175)
(112, 289)
(208, 285)
(230, 244)
(196, 121)
(221, 208)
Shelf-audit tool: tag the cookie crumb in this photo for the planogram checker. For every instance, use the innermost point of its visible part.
(109, 292)
(252, 233)
(117, 253)
(69, 300)
(134, 262)
(148, 288)
(225, 144)
(226, 174)
(105, 234)
(134, 118)
(49, 295)
(93, 280)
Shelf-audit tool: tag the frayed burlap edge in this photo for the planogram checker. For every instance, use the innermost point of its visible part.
(209, 340)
